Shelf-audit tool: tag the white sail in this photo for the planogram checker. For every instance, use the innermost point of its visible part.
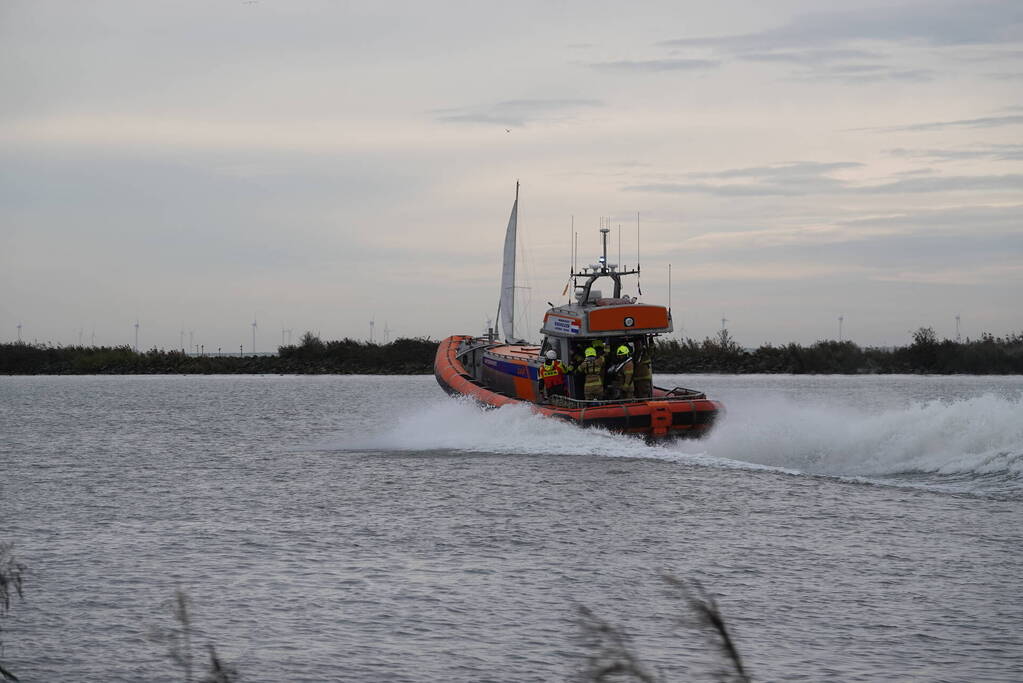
(506, 308)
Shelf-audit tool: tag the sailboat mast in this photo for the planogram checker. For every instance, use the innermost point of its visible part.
(506, 308)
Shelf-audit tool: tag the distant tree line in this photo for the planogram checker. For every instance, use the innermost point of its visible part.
(310, 356)
(988, 355)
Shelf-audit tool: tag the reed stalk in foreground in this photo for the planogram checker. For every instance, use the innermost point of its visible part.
(179, 644)
(613, 657)
(705, 610)
(12, 575)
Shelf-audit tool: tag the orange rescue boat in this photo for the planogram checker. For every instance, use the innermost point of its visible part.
(498, 373)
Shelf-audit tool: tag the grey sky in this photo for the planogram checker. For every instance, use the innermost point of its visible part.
(319, 164)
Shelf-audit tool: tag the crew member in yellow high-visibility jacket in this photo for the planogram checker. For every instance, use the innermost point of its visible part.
(592, 369)
(643, 379)
(576, 375)
(552, 374)
(620, 374)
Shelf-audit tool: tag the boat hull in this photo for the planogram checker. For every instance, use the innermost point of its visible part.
(663, 416)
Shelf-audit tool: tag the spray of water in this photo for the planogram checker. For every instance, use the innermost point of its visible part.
(981, 436)
(463, 426)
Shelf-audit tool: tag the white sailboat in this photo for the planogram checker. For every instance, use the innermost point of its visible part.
(506, 304)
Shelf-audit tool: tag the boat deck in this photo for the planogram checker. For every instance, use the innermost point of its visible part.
(517, 351)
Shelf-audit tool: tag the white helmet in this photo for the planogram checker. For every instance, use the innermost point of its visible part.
(552, 354)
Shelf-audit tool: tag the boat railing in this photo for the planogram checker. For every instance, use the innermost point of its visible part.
(682, 392)
(474, 345)
(676, 394)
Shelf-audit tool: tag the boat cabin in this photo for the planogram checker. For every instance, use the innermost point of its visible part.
(614, 320)
(513, 368)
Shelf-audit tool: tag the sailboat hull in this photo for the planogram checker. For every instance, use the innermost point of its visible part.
(496, 375)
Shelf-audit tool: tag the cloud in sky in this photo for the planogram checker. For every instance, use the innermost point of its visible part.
(791, 171)
(822, 184)
(979, 122)
(829, 45)
(517, 112)
(879, 248)
(853, 74)
(657, 65)
(1002, 152)
(807, 178)
(324, 163)
(938, 23)
(809, 57)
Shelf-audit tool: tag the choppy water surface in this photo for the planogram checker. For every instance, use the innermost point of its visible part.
(358, 528)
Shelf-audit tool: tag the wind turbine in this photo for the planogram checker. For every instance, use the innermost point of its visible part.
(19, 333)
(136, 335)
(958, 337)
(387, 333)
(371, 324)
(841, 318)
(254, 333)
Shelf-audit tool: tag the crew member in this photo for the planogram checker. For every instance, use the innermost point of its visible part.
(643, 380)
(575, 371)
(552, 373)
(620, 375)
(592, 368)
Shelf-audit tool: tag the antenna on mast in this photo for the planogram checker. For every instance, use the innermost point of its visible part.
(604, 230)
(571, 244)
(639, 286)
(571, 265)
(669, 290)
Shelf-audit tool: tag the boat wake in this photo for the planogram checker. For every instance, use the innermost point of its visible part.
(975, 436)
(970, 445)
(461, 425)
